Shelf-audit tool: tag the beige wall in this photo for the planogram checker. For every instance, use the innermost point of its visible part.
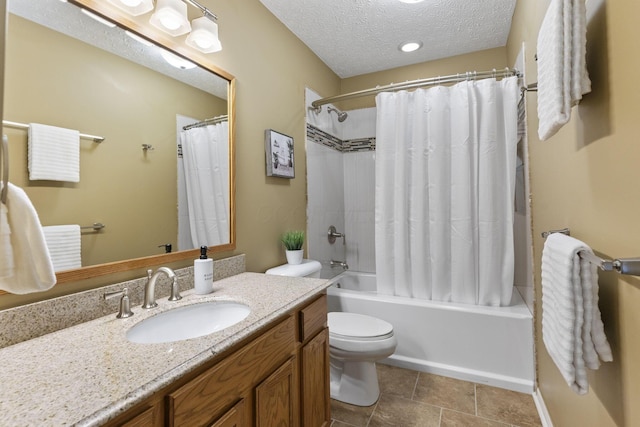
(586, 178)
(81, 87)
(272, 68)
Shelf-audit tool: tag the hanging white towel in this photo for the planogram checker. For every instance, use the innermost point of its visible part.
(562, 69)
(6, 251)
(32, 267)
(63, 242)
(54, 153)
(572, 328)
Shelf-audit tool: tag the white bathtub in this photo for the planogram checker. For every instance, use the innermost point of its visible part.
(489, 345)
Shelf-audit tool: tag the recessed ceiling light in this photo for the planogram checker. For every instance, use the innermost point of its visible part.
(410, 46)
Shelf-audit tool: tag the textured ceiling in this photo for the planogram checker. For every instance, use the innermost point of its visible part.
(67, 19)
(356, 37)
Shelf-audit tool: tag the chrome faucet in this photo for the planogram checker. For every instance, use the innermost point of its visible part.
(150, 286)
(339, 263)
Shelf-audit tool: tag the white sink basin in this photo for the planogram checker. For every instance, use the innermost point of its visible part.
(186, 322)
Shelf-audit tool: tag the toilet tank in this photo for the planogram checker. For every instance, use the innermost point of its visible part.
(308, 268)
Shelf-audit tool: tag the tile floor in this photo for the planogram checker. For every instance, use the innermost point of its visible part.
(409, 398)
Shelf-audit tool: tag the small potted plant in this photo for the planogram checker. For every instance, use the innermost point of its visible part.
(293, 241)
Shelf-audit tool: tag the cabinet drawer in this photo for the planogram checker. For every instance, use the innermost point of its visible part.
(313, 318)
(204, 398)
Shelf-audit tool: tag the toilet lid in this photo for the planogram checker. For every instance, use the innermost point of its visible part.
(357, 325)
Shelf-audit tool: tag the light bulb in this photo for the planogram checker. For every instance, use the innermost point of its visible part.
(204, 35)
(133, 7)
(171, 17)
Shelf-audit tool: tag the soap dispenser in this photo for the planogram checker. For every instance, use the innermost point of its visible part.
(203, 273)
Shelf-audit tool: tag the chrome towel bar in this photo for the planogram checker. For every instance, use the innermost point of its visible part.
(630, 266)
(96, 226)
(17, 125)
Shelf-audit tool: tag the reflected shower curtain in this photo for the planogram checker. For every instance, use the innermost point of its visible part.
(445, 178)
(205, 155)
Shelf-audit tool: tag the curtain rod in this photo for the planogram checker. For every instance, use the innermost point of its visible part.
(206, 122)
(414, 84)
(17, 125)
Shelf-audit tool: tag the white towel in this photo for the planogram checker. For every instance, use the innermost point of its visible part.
(562, 69)
(54, 153)
(572, 328)
(6, 251)
(63, 242)
(32, 267)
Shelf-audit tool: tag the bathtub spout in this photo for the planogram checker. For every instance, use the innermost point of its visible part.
(339, 263)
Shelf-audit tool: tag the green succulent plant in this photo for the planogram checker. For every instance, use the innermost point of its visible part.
(293, 240)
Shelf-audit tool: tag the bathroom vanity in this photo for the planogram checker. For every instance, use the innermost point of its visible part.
(270, 369)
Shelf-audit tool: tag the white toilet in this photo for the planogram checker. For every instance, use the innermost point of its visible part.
(356, 342)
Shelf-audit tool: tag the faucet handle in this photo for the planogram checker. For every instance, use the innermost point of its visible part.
(332, 234)
(125, 305)
(175, 291)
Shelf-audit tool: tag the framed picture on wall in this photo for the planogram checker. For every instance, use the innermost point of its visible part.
(279, 154)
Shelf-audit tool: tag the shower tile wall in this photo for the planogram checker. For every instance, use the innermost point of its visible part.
(325, 201)
(340, 185)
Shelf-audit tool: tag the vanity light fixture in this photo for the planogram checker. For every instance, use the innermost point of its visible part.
(204, 35)
(410, 46)
(134, 7)
(170, 16)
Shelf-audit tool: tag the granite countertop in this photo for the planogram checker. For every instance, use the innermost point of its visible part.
(89, 373)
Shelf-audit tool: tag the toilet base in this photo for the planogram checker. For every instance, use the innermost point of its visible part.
(355, 383)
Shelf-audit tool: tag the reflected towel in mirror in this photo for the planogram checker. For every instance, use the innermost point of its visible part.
(54, 153)
(64, 246)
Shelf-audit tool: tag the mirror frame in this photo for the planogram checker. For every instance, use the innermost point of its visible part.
(145, 30)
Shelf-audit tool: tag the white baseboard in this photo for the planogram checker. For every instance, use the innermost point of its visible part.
(545, 419)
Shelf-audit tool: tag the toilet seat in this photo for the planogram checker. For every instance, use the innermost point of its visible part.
(356, 335)
(358, 326)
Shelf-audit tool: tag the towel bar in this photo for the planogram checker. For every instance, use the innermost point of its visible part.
(96, 226)
(17, 125)
(630, 266)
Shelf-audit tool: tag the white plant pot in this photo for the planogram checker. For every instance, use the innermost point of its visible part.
(294, 257)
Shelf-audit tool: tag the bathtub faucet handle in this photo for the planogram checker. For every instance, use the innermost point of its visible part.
(332, 234)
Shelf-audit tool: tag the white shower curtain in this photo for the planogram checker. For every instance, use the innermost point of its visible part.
(445, 178)
(205, 155)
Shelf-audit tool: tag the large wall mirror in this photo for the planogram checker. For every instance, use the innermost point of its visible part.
(65, 69)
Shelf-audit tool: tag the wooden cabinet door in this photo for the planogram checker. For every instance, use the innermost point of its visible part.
(315, 405)
(277, 398)
(234, 417)
(149, 417)
(206, 397)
